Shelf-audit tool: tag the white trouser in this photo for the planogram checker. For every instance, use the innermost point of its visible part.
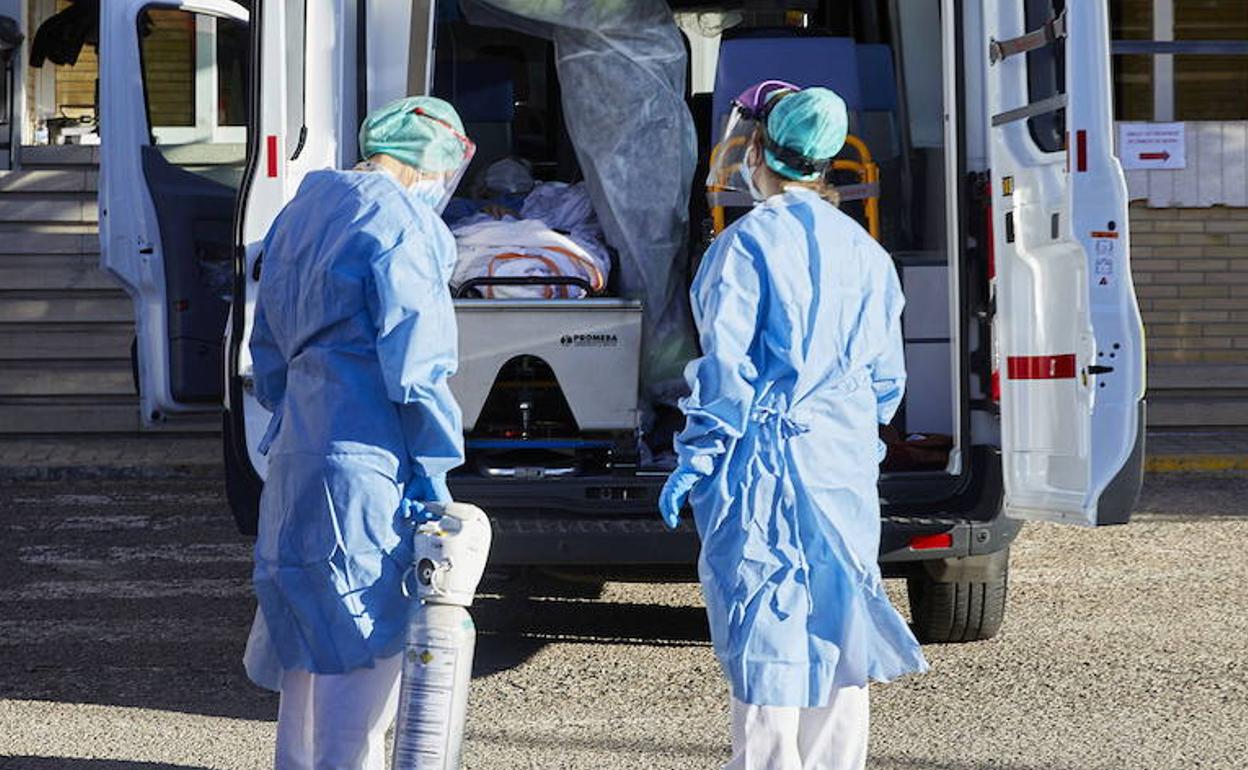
(337, 721)
(783, 738)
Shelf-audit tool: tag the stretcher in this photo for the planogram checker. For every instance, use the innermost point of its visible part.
(576, 358)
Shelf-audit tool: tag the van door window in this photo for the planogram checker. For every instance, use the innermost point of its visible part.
(296, 76)
(1046, 76)
(195, 81)
(195, 84)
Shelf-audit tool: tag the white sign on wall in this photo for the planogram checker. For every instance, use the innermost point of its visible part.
(1152, 145)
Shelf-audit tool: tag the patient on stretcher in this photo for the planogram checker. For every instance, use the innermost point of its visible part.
(519, 228)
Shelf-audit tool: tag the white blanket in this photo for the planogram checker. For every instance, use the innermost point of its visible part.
(526, 247)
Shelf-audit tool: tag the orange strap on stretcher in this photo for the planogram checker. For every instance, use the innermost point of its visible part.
(595, 275)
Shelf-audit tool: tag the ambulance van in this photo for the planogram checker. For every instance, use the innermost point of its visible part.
(982, 160)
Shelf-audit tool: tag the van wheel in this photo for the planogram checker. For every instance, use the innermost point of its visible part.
(959, 600)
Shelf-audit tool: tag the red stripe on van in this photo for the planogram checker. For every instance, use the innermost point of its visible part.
(1081, 143)
(272, 148)
(1041, 367)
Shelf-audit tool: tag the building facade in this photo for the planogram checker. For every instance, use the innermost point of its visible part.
(1184, 64)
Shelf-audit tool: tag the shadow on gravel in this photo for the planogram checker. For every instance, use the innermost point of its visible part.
(1179, 496)
(68, 763)
(137, 595)
(667, 745)
(123, 593)
(513, 629)
(208, 684)
(885, 762)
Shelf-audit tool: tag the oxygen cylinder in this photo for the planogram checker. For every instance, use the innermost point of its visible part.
(450, 556)
(433, 698)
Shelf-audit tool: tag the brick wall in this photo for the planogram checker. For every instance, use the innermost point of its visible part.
(1191, 273)
(75, 86)
(169, 68)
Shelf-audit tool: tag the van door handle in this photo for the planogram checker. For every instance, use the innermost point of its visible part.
(1094, 369)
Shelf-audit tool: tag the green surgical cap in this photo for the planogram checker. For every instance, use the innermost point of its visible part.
(813, 123)
(421, 131)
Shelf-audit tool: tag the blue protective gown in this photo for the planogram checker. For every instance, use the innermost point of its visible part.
(799, 313)
(354, 341)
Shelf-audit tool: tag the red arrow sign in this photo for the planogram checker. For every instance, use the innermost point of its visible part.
(1162, 156)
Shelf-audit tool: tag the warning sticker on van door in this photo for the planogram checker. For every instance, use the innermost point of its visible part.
(1103, 259)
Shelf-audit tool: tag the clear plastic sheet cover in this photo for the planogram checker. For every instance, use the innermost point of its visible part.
(621, 66)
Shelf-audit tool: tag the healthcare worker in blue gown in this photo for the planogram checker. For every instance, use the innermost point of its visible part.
(799, 315)
(353, 343)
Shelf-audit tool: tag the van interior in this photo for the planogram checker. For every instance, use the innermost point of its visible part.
(882, 58)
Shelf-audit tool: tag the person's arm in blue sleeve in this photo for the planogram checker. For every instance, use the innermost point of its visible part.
(267, 361)
(888, 370)
(727, 300)
(416, 345)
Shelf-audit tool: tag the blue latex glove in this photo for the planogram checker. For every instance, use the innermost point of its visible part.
(418, 491)
(675, 492)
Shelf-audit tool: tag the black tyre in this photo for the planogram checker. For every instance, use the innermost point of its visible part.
(959, 600)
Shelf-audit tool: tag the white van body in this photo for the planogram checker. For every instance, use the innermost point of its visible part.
(1028, 344)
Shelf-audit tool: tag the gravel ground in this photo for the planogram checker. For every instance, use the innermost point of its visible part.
(124, 607)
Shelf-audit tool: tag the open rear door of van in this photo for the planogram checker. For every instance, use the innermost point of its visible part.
(1068, 342)
(173, 115)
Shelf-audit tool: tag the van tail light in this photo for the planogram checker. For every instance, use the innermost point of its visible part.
(931, 542)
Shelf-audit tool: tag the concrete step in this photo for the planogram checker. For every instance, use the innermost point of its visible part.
(58, 180)
(30, 239)
(1194, 410)
(99, 414)
(49, 307)
(1197, 377)
(43, 416)
(110, 377)
(69, 341)
(49, 207)
(53, 272)
(59, 156)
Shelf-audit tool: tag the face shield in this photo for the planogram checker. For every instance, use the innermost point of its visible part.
(728, 181)
(437, 187)
(423, 136)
